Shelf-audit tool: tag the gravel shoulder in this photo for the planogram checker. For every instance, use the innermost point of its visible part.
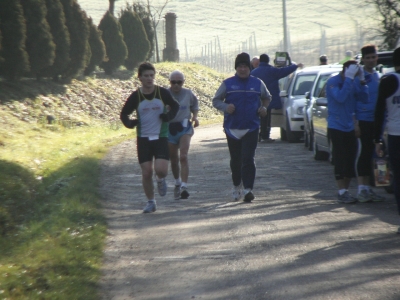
(293, 242)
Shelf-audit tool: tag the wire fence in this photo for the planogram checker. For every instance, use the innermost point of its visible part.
(306, 51)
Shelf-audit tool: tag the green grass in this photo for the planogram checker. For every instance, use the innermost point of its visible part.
(51, 226)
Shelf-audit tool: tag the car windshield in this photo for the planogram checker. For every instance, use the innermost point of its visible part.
(303, 84)
(320, 84)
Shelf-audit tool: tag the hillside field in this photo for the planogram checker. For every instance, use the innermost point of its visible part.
(200, 22)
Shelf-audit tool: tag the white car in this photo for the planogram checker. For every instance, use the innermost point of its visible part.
(293, 88)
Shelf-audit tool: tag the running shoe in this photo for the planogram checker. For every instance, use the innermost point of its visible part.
(177, 192)
(162, 187)
(184, 192)
(248, 196)
(150, 207)
(364, 196)
(375, 197)
(346, 198)
(236, 193)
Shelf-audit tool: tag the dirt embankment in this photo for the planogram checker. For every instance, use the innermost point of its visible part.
(96, 98)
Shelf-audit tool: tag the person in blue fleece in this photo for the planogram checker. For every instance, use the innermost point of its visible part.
(270, 75)
(243, 99)
(365, 117)
(343, 91)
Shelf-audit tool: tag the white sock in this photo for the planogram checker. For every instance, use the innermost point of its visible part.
(342, 191)
(152, 200)
(178, 181)
(183, 184)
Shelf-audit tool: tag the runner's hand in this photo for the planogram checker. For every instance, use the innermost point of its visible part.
(351, 71)
(262, 111)
(230, 109)
(195, 121)
(164, 117)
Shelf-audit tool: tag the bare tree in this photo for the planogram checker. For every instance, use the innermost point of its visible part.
(389, 11)
(155, 14)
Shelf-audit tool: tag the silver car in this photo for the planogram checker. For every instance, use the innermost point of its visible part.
(323, 75)
(294, 87)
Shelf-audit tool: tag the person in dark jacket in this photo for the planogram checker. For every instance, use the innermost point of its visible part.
(270, 76)
(243, 99)
(389, 103)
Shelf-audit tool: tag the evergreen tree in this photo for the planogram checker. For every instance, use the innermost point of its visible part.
(113, 39)
(78, 28)
(148, 27)
(135, 39)
(56, 19)
(39, 40)
(97, 48)
(144, 15)
(13, 28)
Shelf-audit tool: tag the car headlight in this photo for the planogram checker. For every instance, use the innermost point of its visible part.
(300, 110)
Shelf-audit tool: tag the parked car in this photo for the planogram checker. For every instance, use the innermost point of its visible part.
(321, 142)
(322, 147)
(323, 75)
(290, 118)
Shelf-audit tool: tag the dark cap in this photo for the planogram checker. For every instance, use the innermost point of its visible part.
(368, 49)
(264, 58)
(323, 58)
(242, 58)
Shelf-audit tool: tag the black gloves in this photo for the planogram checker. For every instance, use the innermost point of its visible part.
(164, 117)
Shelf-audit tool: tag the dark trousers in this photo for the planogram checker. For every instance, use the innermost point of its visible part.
(394, 158)
(344, 151)
(242, 162)
(364, 159)
(265, 125)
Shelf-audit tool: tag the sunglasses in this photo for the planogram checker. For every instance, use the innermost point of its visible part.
(180, 82)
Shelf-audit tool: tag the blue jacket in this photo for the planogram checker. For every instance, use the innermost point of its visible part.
(245, 95)
(343, 95)
(365, 111)
(270, 76)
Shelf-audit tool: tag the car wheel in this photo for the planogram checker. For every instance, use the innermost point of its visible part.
(291, 136)
(319, 155)
(283, 134)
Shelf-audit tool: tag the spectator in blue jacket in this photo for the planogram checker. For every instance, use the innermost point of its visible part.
(343, 91)
(243, 99)
(270, 76)
(365, 117)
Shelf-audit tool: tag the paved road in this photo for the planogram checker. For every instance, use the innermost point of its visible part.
(293, 242)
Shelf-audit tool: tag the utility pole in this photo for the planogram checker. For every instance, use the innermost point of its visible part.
(285, 41)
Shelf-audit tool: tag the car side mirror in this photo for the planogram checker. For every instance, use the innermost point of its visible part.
(307, 95)
(321, 102)
(283, 94)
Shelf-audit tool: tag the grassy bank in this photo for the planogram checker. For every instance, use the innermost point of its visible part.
(52, 230)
